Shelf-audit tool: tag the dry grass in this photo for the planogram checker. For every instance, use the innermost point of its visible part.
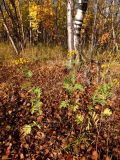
(44, 53)
(32, 53)
(6, 52)
(56, 54)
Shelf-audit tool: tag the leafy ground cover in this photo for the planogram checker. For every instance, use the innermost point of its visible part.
(55, 133)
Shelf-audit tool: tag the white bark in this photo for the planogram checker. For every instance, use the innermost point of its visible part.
(70, 26)
(7, 30)
(78, 20)
(11, 40)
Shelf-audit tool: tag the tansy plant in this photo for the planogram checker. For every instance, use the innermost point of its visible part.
(90, 118)
(36, 103)
(35, 92)
(27, 128)
(70, 85)
(103, 93)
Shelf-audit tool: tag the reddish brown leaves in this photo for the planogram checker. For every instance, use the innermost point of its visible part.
(94, 155)
(59, 137)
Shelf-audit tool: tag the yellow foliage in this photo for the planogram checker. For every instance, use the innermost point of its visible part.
(41, 13)
(20, 61)
(33, 13)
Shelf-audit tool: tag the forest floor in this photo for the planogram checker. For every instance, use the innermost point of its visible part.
(58, 136)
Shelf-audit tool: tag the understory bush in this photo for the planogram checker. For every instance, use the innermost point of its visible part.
(90, 109)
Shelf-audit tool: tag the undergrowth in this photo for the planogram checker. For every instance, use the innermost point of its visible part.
(47, 117)
(33, 53)
(94, 117)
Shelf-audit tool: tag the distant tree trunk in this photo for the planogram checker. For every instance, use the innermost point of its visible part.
(17, 19)
(113, 29)
(70, 27)
(21, 23)
(30, 25)
(95, 8)
(8, 32)
(11, 40)
(78, 20)
(12, 10)
(30, 32)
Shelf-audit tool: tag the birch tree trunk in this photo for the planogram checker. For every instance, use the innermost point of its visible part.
(9, 7)
(8, 32)
(11, 40)
(78, 20)
(70, 28)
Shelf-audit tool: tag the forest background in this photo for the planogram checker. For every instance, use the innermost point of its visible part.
(38, 23)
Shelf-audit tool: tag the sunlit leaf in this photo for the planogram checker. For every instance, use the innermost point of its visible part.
(107, 112)
(79, 118)
(78, 87)
(26, 129)
(64, 104)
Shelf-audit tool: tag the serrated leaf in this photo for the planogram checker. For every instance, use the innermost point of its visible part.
(36, 106)
(37, 91)
(78, 87)
(74, 107)
(26, 129)
(64, 104)
(79, 118)
(68, 87)
(28, 73)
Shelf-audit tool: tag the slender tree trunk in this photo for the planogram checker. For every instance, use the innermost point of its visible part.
(11, 40)
(8, 32)
(30, 26)
(78, 20)
(70, 28)
(95, 8)
(17, 20)
(21, 23)
(15, 24)
(30, 32)
(113, 29)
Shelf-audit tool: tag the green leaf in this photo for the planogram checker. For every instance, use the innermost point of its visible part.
(36, 106)
(64, 104)
(68, 87)
(36, 124)
(99, 99)
(28, 73)
(37, 91)
(78, 87)
(26, 129)
(79, 118)
(74, 107)
(103, 92)
(67, 81)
